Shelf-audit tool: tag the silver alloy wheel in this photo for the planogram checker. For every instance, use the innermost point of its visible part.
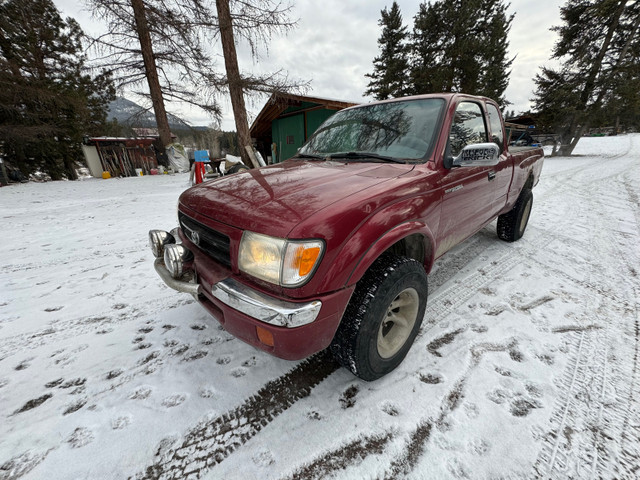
(398, 323)
(525, 217)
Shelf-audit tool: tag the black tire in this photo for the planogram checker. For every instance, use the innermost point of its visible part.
(511, 225)
(365, 343)
(237, 168)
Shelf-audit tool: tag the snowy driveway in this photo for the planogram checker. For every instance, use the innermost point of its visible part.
(527, 364)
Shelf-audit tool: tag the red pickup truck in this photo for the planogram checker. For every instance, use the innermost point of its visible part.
(332, 247)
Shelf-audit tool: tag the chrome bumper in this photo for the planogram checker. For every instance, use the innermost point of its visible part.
(248, 301)
(263, 307)
(179, 285)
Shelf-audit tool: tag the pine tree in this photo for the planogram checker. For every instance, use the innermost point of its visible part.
(495, 25)
(461, 46)
(48, 102)
(429, 45)
(391, 67)
(599, 48)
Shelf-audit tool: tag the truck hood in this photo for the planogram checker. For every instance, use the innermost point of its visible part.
(275, 199)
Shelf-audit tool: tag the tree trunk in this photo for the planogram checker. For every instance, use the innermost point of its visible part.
(70, 167)
(566, 149)
(234, 79)
(596, 65)
(151, 72)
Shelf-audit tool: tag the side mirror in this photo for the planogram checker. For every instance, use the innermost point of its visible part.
(448, 162)
(475, 155)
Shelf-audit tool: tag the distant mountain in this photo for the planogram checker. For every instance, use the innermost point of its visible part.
(130, 113)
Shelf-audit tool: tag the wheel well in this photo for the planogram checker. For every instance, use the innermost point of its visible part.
(413, 246)
(529, 183)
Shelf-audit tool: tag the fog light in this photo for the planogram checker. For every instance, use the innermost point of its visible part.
(175, 233)
(158, 240)
(175, 257)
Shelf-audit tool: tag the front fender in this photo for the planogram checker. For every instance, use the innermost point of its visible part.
(388, 239)
(371, 239)
(359, 232)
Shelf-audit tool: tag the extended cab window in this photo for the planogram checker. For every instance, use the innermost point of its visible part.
(468, 127)
(497, 136)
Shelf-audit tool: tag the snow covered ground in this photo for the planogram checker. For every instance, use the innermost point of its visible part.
(527, 364)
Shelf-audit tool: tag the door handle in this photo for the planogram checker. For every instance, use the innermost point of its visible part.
(491, 175)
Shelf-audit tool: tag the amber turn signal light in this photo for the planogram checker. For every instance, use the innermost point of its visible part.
(265, 336)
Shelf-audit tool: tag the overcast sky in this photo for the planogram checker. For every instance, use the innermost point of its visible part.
(335, 42)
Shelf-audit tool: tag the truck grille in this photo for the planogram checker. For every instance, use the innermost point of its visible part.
(213, 243)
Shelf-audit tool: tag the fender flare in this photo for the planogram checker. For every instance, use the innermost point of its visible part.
(389, 238)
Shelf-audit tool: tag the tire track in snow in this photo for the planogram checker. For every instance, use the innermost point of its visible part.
(445, 302)
(630, 439)
(590, 415)
(349, 454)
(211, 442)
(594, 429)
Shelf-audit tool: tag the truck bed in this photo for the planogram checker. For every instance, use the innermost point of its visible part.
(525, 148)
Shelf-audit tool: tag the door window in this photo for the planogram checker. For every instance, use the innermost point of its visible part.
(497, 136)
(468, 127)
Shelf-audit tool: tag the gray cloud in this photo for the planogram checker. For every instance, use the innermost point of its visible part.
(335, 42)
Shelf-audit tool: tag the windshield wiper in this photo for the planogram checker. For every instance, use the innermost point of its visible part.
(365, 155)
(311, 155)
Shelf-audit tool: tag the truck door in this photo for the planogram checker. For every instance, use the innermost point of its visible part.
(503, 171)
(467, 196)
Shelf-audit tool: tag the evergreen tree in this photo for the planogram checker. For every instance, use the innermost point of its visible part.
(599, 47)
(495, 25)
(391, 67)
(48, 102)
(429, 47)
(461, 46)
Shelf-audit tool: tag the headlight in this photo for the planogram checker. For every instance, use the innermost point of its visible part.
(283, 262)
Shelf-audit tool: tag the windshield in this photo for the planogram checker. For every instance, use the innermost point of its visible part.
(399, 130)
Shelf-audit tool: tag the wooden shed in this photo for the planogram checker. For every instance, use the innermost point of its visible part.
(286, 121)
(119, 156)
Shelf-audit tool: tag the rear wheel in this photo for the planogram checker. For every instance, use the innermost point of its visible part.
(511, 225)
(382, 318)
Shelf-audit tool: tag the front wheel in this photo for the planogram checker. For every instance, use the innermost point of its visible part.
(512, 224)
(382, 318)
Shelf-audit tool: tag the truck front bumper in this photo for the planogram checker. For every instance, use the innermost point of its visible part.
(295, 330)
(181, 285)
(238, 296)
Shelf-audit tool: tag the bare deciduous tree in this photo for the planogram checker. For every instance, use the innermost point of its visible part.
(167, 45)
